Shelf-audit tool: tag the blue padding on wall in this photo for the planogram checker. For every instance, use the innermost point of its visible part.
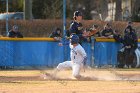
(87, 47)
(45, 53)
(25, 53)
(6, 53)
(105, 53)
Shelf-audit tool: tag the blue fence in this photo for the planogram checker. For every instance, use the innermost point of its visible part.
(47, 53)
(105, 53)
(24, 53)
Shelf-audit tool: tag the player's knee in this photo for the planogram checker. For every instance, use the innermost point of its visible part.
(76, 75)
(60, 66)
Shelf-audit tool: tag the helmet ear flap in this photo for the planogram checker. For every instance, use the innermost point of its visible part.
(74, 17)
(77, 13)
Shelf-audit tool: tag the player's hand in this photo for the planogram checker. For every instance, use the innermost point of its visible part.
(85, 34)
(60, 44)
(57, 38)
(84, 61)
(127, 47)
(111, 36)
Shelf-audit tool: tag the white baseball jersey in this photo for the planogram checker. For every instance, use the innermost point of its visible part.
(77, 54)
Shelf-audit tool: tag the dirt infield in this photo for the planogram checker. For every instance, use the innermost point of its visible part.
(108, 81)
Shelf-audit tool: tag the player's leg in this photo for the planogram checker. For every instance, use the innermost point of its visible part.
(76, 70)
(120, 59)
(62, 66)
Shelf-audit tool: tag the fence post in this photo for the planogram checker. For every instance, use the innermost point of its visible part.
(7, 9)
(64, 27)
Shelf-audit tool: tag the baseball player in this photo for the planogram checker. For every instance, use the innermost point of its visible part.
(78, 58)
(14, 32)
(76, 26)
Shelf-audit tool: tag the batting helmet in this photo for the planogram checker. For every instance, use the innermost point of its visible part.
(74, 39)
(77, 13)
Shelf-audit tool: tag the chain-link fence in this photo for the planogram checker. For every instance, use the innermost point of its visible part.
(48, 15)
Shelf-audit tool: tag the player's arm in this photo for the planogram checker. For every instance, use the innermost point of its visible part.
(64, 42)
(10, 34)
(73, 30)
(83, 53)
(84, 61)
(19, 35)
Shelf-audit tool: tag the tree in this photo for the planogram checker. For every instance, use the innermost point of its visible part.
(38, 8)
(102, 8)
(28, 9)
(2, 6)
(14, 5)
(82, 5)
(136, 10)
(48, 9)
(118, 15)
(87, 10)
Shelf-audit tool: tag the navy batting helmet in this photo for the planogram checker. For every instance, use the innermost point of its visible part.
(77, 13)
(74, 39)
